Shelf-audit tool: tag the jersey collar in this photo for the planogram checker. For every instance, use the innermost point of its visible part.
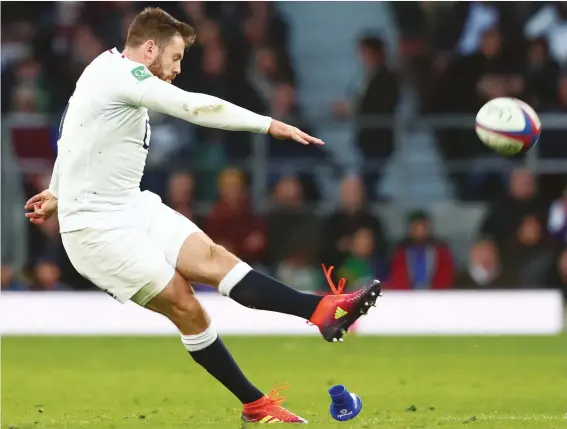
(115, 51)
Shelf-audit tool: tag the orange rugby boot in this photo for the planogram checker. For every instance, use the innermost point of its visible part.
(268, 410)
(336, 313)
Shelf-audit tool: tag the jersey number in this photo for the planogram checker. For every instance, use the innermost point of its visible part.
(147, 135)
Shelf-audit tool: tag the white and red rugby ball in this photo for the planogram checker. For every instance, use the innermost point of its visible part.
(508, 125)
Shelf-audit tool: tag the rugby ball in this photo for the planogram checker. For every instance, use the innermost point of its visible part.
(508, 125)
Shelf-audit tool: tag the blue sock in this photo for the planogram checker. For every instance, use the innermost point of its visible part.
(259, 291)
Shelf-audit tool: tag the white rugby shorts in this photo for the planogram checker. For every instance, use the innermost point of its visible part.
(133, 253)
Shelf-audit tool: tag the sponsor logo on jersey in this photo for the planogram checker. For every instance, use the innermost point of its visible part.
(141, 73)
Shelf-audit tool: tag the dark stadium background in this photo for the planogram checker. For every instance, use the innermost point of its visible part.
(391, 87)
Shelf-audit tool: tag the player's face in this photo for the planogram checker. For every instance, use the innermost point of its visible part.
(168, 63)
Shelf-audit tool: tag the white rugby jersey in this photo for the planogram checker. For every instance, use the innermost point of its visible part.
(104, 141)
(105, 135)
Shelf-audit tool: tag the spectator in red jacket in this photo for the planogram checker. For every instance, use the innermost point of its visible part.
(421, 261)
(232, 222)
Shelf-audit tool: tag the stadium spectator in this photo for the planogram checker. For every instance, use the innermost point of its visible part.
(475, 18)
(550, 22)
(557, 276)
(180, 195)
(454, 30)
(265, 27)
(232, 222)
(30, 88)
(292, 230)
(542, 76)
(363, 262)
(562, 93)
(8, 279)
(350, 217)
(218, 80)
(557, 221)
(48, 277)
(297, 271)
(44, 240)
(484, 269)
(421, 260)
(376, 93)
(529, 252)
(504, 215)
(266, 71)
(44, 244)
(284, 104)
(16, 42)
(472, 80)
(16, 48)
(86, 47)
(458, 27)
(194, 12)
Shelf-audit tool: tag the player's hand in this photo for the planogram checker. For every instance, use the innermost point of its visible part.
(280, 130)
(43, 206)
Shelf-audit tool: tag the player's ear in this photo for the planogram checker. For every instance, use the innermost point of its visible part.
(151, 47)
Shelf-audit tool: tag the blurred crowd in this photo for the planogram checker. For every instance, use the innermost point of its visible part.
(481, 50)
(462, 54)
(241, 55)
(456, 54)
(521, 243)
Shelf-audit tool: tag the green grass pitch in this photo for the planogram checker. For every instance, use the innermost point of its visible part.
(421, 382)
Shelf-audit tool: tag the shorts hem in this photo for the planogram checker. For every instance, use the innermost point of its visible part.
(146, 295)
(174, 255)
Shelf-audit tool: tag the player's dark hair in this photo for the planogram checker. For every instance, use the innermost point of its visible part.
(156, 24)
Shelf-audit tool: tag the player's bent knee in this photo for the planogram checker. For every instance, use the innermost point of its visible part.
(180, 305)
(219, 262)
(189, 316)
(185, 310)
(220, 254)
(201, 260)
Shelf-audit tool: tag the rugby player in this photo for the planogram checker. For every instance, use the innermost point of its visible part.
(134, 247)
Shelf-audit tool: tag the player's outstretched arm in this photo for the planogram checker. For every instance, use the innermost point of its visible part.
(213, 112)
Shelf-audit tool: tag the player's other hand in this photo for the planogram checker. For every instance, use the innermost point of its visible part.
(42, 206)
(281, 130)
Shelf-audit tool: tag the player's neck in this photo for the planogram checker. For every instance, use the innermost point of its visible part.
(135, 55)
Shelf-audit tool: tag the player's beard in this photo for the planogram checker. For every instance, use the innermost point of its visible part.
(157, 70)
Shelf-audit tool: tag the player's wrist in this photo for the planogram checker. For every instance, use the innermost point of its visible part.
(268, 124)
(275, 127)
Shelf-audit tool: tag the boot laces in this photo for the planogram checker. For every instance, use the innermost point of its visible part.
(275, 401)
(337, 289)
(274, 395)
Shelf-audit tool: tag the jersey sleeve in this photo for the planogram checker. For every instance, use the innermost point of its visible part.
(137, 86)
(133, 82)
(202, 109)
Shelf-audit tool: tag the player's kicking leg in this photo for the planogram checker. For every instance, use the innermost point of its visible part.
(201, 260)
(178, 302)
